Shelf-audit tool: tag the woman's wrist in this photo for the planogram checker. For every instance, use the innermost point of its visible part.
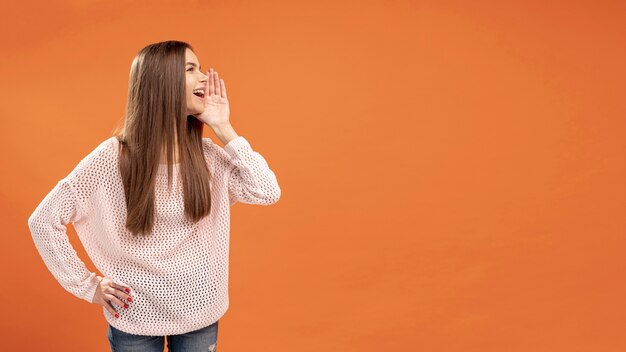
(225, 132)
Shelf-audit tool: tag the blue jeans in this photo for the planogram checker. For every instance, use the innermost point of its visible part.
(204, 339)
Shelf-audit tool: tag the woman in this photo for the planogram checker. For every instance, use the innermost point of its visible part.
(151, 206)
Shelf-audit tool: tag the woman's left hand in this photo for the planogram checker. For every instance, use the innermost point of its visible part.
(216, 109)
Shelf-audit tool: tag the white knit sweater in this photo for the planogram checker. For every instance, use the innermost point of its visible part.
(178, 275)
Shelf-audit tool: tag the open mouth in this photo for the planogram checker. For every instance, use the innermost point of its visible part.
(199, 93)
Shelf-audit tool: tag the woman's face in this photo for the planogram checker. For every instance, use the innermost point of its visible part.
(195, 80)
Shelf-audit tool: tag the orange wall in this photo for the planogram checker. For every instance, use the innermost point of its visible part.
(452, 173)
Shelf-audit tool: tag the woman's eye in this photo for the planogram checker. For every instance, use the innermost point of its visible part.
(190, 69)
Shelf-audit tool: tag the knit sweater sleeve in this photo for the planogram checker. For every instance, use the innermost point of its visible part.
(250, 179)
(48, 224)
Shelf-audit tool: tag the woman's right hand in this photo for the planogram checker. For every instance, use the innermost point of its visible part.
(109, 291)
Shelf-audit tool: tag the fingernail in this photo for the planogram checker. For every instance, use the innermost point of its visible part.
(130, 299)
(117, 315)
(127, 289)
(125, 305)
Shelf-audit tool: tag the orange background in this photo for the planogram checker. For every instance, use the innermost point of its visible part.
(452, 172)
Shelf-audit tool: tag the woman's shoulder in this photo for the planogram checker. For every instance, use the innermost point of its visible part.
(106, 151)
(213, 151)
(234, 147)
(98, 162)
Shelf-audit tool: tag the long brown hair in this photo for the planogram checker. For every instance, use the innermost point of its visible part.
(155, 118)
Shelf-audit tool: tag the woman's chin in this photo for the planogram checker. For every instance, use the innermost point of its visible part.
(195, 113)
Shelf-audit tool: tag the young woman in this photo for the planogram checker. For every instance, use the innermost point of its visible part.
(151, 206)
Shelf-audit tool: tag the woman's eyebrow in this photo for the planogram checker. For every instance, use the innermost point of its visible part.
(194, 65)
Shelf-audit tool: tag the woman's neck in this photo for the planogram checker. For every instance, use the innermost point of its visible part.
(164, 155)
(164, 159)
